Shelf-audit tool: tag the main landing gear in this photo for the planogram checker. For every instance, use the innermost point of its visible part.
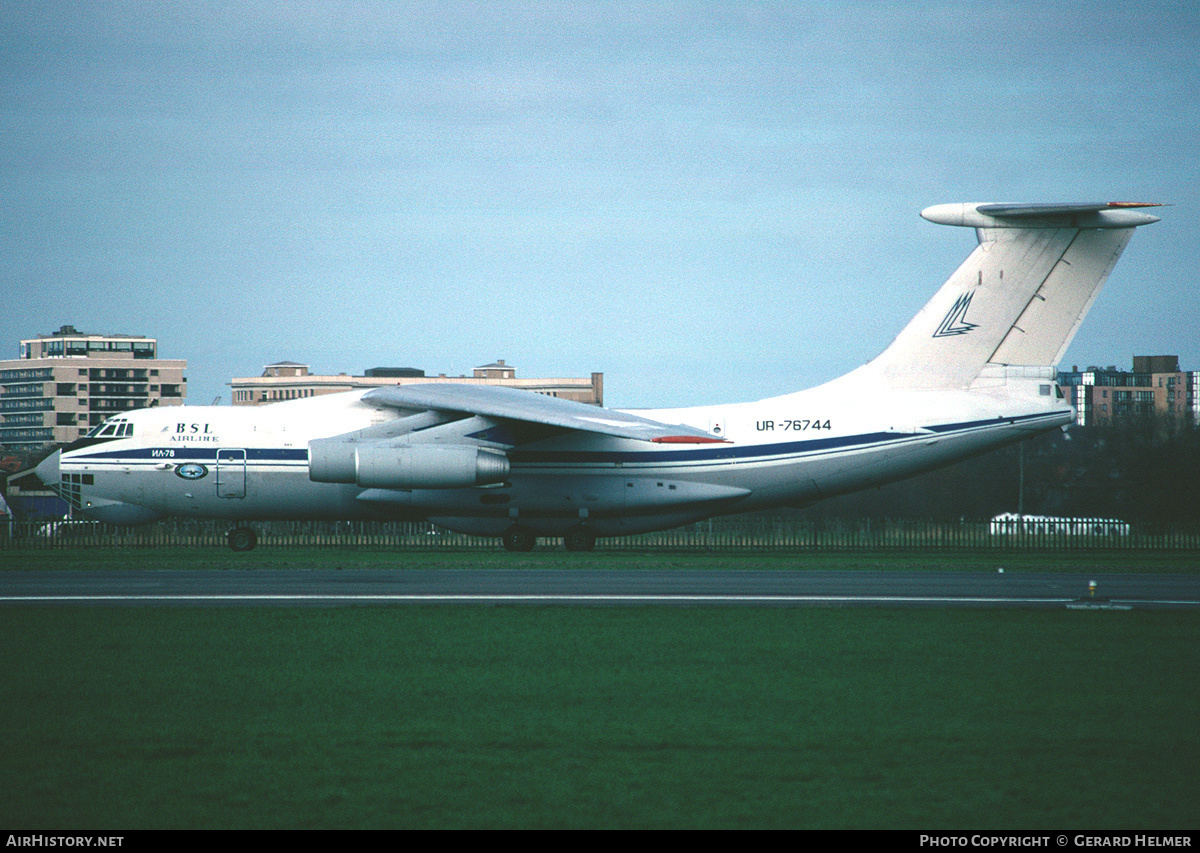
(242, 538)
(518, 538)
(578, 538)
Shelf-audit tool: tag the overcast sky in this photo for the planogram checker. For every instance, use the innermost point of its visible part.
(708, 202)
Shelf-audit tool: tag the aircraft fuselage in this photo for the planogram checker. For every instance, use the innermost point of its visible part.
(253, 463)
(972, 371)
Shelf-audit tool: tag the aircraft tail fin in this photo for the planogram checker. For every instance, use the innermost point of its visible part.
(1020, 296)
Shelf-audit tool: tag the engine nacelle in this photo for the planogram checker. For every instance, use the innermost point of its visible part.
(421, 466)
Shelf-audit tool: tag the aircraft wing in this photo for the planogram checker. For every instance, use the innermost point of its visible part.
(494, 401)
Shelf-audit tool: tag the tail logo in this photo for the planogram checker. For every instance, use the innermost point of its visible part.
(955, 321)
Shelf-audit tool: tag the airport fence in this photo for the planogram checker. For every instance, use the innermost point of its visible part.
(748, 533)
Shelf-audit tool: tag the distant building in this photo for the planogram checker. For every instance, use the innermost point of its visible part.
(1155, 387)
(287, 380)
(64, 383)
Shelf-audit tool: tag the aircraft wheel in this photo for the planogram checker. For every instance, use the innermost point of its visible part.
(580, 538)
(518, 538)
(242, 539)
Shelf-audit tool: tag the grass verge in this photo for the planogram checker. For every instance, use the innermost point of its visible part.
(597, 717)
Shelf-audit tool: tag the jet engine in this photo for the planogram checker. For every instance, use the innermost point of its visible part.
(420, 466)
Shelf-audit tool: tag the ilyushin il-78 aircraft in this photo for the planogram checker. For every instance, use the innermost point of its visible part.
(973, 371)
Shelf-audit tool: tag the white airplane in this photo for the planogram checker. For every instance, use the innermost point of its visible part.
(973, 371)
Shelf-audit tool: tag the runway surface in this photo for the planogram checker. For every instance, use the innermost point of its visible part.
(375, 587)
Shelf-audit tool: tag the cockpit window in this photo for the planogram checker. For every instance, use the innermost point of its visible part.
(112, 429)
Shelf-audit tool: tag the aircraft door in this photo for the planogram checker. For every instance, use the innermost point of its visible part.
(231, 473)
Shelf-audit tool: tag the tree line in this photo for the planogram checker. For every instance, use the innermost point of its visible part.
(1143, 470)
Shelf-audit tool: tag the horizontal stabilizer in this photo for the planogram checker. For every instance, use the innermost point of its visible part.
(1110, 214)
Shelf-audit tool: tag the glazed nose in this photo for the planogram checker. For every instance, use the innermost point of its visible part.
(47, 471)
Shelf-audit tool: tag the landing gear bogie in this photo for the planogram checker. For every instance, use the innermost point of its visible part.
(580, 538)
(518, 538)
(242, 538)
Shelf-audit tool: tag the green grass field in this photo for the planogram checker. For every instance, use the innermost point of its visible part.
(445, 717)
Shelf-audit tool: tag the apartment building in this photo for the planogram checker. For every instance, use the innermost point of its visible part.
(64, 383)
(1156, 387)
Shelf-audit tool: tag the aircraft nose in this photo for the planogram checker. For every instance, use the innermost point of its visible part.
(47, 471)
